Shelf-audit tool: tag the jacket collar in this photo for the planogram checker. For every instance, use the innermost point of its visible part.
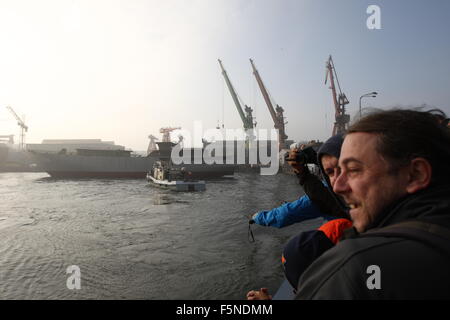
(432, 202)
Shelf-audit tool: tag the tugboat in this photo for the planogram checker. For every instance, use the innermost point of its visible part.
(164, 175)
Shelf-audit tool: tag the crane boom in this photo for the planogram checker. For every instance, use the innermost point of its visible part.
(166, 133)
(339, 101)
(277, 115)
(247, 118)
(19, 121)
(22, 125)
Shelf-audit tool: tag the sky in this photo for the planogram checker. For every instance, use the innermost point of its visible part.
(121, 70)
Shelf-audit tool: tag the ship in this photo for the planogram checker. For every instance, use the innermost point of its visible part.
(93, 158)
(87, 163)
(164, 176)
(195, 167)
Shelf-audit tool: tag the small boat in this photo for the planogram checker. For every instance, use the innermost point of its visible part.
(175, 179)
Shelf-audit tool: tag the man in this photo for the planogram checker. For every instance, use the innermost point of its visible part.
(302, 250)
(395, 178)
(318, 201)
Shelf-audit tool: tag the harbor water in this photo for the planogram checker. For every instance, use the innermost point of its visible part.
(134, 241)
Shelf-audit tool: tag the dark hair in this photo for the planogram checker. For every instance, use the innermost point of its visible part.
(407, 134)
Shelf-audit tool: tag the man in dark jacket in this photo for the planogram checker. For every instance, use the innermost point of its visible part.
(319, 200)
(395, 179)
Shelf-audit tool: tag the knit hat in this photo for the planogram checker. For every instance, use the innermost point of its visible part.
(301, 251)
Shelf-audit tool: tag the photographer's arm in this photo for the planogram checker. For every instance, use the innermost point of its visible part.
(289, 213)
(320, 195)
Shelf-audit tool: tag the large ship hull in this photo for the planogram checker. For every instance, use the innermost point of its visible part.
(79, 166)
(205, 171)
(97, 175)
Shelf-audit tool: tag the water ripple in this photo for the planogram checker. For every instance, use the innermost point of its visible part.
(132, 241)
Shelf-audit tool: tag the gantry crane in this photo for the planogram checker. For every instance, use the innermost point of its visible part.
(341, 118)
(247, 118)
(166, 133)
(22, 125)
(277, 113)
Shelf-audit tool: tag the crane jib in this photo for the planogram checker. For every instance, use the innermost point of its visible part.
(247, 118)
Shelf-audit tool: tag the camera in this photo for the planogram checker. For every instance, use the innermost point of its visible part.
(307, 155)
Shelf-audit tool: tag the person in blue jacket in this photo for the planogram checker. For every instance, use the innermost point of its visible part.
(319, 200)
(289, 213)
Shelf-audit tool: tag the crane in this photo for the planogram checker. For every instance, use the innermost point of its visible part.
(277, 113)
(247, 118)
(166, 133)
(152, 144)
(341, 118)
(22, 125)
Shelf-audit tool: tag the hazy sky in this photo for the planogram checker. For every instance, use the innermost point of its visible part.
(120, 70)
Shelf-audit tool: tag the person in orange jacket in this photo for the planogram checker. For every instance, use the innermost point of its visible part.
(301, 251)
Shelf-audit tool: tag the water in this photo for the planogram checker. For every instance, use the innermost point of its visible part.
(134, 241)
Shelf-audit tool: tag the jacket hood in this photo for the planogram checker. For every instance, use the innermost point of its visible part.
(331, 147)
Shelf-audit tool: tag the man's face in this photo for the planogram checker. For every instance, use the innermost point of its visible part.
(330, 167)
(365, 181)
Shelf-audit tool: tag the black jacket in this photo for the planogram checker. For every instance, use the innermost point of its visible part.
(322, 196)
(409, 269)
